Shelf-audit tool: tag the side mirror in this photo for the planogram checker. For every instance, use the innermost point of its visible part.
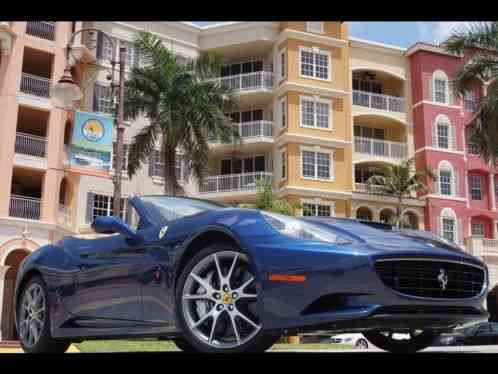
(111, 225)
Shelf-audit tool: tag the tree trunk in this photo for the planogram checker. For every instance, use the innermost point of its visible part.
(169, 154)
(398, 212)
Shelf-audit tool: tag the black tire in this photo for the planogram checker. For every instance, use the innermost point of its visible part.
(184, 346)
(415, 344)
(260, 342)
(45, 343)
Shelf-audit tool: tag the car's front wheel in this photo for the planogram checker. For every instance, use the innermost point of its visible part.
(216, 299)
(33, 320)
(406, 342)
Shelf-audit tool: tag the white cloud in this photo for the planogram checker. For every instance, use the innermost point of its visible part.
(437, 32)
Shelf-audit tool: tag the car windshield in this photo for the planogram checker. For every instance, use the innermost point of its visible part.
(170, 208)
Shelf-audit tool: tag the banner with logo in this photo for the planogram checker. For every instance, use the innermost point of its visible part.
(91, 145)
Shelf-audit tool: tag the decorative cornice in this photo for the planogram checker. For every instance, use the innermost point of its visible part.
(314, 192)
(312, 38)
(312, 140)
(310, 89)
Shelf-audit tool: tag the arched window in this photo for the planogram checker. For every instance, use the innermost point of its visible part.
(387, 216)
(443, 133)
(448, 225)
(448, 180)
(364, 213)
(440, 91)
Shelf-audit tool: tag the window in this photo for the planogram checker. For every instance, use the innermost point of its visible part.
(469, 100)
(440, 82)
(102, 99)
(131, 53)
(316, 165)
(315, 27)
(367, 86)
(449, 229)
(369, 132)
(478, 229)
(181, 171)
(315, 113)
(283, 165)
(315, 63)
(445, 182)
(475, 187)
(282, 112)
(103, 206)
(106, 51)
(242, 68)
(314, 209)
(443, 135)
(125, 156)
(472, 146)
(281, 64)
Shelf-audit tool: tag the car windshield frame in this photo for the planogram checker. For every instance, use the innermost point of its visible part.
(163, 209)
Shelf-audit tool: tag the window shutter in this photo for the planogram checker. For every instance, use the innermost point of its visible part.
(100, 41)
(430, 89)
(434, 134)
(96, 95)
(436, 183)
(453, 137)
(89, 207)
(151, 163)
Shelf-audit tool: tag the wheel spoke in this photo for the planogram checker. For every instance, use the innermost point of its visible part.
(240, 290)
(213, 327)
(232, 267)
(249, 321)
(197, 297)
(218, 268)
(202, 319)
(207, 287)
(234, 327)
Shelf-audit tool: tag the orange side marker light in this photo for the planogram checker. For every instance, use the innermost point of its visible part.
(286, 278)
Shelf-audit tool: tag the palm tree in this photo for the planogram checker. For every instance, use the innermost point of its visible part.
(478, 42)
(184, 106)
(399, 181)
(269, 202)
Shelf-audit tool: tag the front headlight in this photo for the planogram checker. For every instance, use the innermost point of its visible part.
(301, 230)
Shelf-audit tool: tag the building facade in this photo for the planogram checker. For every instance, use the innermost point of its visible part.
(319, 113)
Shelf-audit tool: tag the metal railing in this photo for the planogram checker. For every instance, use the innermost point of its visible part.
(234, 182)
(35, 85)
(41, 29)
(25, 207)
(30, 145)
(251, 129)
(64, 215)
(363, 188)
(383, 148)
(481, 246)
(259, 80)
(378, 101)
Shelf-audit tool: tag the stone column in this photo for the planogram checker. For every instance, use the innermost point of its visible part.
(492, 191)
(495, 229)
(3, 271)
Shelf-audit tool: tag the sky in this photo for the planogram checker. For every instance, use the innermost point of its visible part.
(402, 34)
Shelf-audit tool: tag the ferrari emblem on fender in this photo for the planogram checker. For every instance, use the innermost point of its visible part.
(443, 279)
(162, 232)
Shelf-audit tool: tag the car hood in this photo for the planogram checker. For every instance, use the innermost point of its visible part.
(385, 240)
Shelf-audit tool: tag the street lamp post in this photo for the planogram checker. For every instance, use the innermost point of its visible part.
(67, 91)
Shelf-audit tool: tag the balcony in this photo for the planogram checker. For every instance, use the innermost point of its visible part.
(245, 182)
(251, 131)
(378, 101)
(35, 85)
(481, 246)
(362, 188)
(41, 29)
(30, 145)
(259, 80)
(25, 207)
(380, 148)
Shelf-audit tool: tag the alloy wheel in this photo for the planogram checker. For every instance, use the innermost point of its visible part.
(219, 300)
(32, 315)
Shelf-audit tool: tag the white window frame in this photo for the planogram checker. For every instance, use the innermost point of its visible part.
(108, 101)
(470, 97)
(478, 224)
(282, 164)
(317, 149)
(310, 27)
(440, 75)
(317, 202)
(446, 166)
(475, 187)
(181, 179)
(125, 150)
(449, 214)
(282, 112)
(107, 208)
(316, 50)
(315, 99)
(282, 64)
(443, 124)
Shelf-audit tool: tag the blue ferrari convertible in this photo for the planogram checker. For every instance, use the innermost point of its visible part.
(220, 279)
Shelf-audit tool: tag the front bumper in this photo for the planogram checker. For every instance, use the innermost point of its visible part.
(343, 292)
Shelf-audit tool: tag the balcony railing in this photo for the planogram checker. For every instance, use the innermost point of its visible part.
(24, 207)
(383, 148)
(64, 215)
(363, 188)
(482, 246)
(41, 29)
(30, 145)
(35, 85)
(253, 129)
(378, 101)
(259, 80)
(234, 182)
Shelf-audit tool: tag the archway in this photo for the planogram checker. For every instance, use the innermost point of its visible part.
(387, 216)
(364, 213)
(13, 260)
(410, 220)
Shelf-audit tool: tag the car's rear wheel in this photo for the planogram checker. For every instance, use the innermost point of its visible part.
(361, 343)
(216, 299)
(402, 342)
(33, 320)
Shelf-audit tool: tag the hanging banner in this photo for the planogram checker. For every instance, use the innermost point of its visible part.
(91, 145)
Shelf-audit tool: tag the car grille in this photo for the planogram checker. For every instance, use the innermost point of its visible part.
(431, 278)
